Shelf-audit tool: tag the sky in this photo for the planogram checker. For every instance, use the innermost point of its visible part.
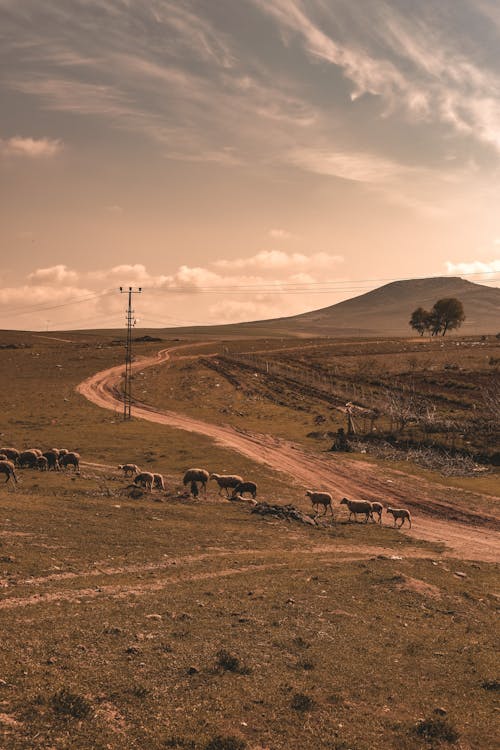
(241, 159)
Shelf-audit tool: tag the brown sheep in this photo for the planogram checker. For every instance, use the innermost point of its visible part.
(11, 453)
(146, 479)
(7, 468)
(129, 469)
(358, 506)
(52, 457)
(320, 498)
(70, 459)
(227, 481)
(402, 514)
(28, 458)
(158, 482)
(377, 508)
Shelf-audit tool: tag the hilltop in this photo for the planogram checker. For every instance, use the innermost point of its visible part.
(385, 310)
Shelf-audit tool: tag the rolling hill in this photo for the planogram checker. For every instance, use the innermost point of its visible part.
(383, 311)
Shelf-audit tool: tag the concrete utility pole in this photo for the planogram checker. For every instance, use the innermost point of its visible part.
(127, 385)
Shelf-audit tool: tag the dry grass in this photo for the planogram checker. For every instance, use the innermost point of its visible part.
(170, 623)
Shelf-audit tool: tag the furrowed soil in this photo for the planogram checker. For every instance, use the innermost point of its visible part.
(168, 622)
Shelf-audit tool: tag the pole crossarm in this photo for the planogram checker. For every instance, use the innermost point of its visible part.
(127, 385)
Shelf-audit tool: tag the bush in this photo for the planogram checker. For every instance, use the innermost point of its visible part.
(69, 704)
(436, 729)
(230, 663)
(302, 702)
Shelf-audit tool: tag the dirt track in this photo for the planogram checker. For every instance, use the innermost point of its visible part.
(469, 535)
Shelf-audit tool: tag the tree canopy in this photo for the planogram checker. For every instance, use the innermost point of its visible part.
(446, 314)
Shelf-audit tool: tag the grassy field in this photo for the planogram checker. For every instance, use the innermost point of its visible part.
(165, 622)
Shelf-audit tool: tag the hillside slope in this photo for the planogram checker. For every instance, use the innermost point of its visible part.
(385, 310)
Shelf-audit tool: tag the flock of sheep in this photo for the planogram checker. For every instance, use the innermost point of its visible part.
(54, 459)
(195, 478)
(361, 507)
(233, 485)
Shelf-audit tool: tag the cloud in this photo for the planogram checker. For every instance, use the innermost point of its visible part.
(34, 148)
(473, 267)
(54, 275)
(358, 167)
(278, 260)
(280, 234)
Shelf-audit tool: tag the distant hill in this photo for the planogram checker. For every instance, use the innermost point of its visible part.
(383, 311)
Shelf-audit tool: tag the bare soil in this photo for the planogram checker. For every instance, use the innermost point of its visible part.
(438, 517)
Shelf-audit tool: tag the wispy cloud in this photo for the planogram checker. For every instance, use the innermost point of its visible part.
(474, 267)
(34, 148)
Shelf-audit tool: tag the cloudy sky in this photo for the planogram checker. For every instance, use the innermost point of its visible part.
(242, 159)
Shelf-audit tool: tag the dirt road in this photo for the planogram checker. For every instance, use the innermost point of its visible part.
(467, 534)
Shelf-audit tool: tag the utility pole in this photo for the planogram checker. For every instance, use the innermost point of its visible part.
(127, 386)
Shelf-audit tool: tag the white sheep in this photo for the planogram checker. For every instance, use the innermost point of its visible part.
(227, 481)
(320, 498)
(7, 468)
(196, 475)
(377, 508)
(358, 506)
(400, 513)
(146, 479)
(129, 469)
(158, 482)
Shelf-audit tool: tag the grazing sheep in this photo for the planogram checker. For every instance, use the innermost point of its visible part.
(320, 498)
(63, 452)
(197, 475)
(36, 450)
(243, 487)
(377, 508)
(52, 457)
(70, 459)
(129, 469)
(28, 458)
(42, 464)
(158, 482)
(146, 479)
(401, 513)
(227, 481)
(358, 506)
(7, 468)
(11, 453)
(3, 457)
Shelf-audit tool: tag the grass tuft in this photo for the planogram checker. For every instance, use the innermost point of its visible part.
(221, 742)
(302, 702)
(66, 703)
(230, 663)
(436, 729)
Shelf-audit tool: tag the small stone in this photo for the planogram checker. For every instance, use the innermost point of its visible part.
(154, 617)
(132, 650)
(459, 574)
(440, 711)
(193, 670)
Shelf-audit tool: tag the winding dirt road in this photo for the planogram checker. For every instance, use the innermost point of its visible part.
(466, 533)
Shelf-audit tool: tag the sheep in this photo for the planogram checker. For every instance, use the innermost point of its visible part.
(243, 487)
(227, 481)
(52, 457)
(129, 469)
(36, 450)
(70, 459)
(401, 513)
(377, 508)
(62, 452)
(28, 458)
(196, 475)
(11, 453)
(357, 506)
(7, 468)
(158, 482)
(3, 457)
(146, 479)
(320, 498)
(42, 464)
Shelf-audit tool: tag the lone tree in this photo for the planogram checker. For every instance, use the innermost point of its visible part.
(447, 314)
(419, 320)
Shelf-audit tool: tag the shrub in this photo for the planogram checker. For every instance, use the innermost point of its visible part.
(436, 729)
(230, 663)
(491, 685)
(69, 704)
(302, 702)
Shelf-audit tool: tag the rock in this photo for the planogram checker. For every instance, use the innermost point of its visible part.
(193, 670)
(459, 574)
(440, 711)
(154, 617)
